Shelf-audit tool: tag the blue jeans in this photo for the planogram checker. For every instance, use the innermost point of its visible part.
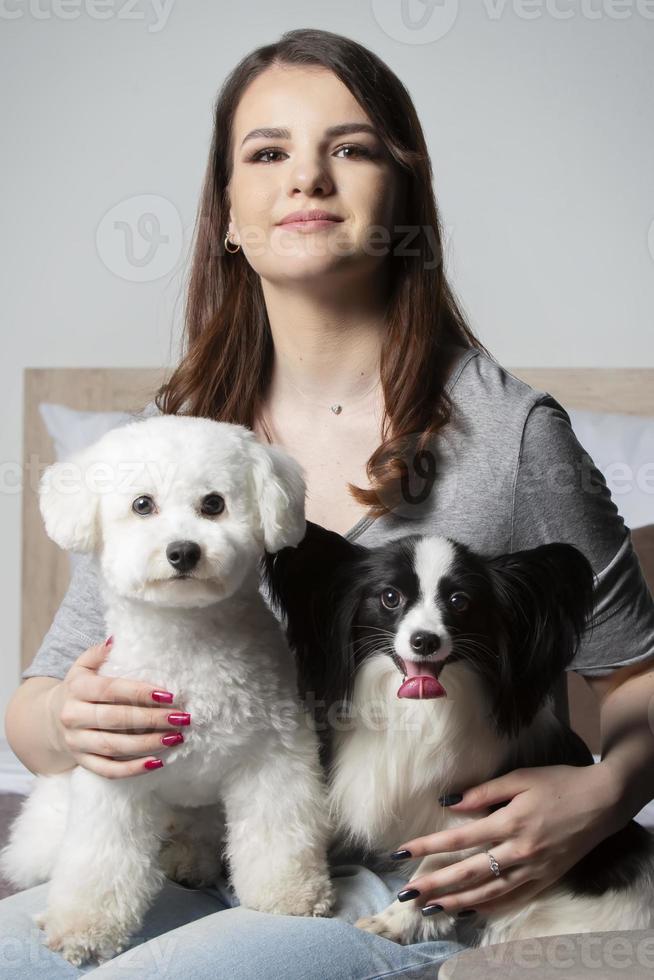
(204, 934)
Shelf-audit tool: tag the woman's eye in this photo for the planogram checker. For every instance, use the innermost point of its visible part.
(257, 156)
(143, 505)
(359, 151)
(390, 598)
(355, 151)
(213, 504)
(460, 601)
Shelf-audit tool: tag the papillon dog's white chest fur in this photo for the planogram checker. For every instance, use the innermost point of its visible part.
(394, 757)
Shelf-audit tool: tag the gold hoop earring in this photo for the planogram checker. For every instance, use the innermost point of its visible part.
(228, 243)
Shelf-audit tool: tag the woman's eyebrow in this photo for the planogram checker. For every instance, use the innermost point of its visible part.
(343, 129)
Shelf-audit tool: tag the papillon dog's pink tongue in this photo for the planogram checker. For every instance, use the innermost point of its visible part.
(421, 679)
(421, 686)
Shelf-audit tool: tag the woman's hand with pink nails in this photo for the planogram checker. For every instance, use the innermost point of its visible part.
(113, 726)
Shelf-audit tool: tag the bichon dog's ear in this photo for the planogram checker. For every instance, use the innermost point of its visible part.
(279, 488)
(69, 506)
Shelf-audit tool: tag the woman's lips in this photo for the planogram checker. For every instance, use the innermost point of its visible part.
(313, 225)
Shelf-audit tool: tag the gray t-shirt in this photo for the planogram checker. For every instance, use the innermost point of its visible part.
(510, 474)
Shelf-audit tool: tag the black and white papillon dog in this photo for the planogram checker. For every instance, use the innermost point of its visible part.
(432, 670)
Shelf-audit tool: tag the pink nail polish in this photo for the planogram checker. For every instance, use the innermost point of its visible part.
(179, 718)
(173, 739)
(163, 696)
(153, 764)
(109, 641)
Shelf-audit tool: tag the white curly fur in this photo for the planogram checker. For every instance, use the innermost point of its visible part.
(249, 758)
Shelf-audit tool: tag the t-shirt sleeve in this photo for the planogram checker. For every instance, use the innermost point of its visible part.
(77, 625)
(560, 495)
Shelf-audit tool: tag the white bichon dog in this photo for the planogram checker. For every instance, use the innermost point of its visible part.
(179, 511)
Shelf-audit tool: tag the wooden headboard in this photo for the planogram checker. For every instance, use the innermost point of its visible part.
(45, 568)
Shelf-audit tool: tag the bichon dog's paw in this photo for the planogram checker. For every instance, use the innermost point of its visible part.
(403, 924)
(183, 861)
(80, 937)
(314, 898)
(312, 895)
(323, 899)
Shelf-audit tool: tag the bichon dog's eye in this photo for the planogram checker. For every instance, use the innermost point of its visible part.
(213, 503)
(143, 505)
(460, 601)
(390, 598)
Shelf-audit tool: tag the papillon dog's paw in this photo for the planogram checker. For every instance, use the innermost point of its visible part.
(397, 922)
(183, 861)
(81, 937)
(404, 923)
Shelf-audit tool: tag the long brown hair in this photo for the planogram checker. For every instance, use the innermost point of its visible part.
(227, 344)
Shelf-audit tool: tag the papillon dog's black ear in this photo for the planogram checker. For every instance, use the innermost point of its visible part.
(309, 586)
(544, 604)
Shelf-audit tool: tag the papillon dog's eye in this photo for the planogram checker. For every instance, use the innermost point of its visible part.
(213, 504)
(459, 601)
(390, 598)
(143, 505)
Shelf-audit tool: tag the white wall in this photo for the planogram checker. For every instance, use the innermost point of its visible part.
(538, 116)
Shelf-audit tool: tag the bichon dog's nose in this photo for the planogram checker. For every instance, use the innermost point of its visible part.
(183, 555)
(425, 643)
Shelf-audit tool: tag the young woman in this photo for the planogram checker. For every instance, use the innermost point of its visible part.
(340, 340)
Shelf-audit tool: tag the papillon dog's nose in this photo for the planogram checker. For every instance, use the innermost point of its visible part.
(425, 643)
(183, 555)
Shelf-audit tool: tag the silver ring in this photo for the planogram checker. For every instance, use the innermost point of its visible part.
(494, 866)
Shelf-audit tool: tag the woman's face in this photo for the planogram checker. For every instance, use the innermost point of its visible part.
(350, 175)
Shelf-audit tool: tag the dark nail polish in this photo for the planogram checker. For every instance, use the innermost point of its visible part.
(153, 764)
(431, 909)
(165, 697)
(179, 718)
(173, 739)
(407, 894)
(398, 855)
(465, 912)
(451, 799)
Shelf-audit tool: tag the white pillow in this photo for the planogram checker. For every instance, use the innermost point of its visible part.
(72, 431)
(622, 447)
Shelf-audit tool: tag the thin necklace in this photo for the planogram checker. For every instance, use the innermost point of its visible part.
(337, 407)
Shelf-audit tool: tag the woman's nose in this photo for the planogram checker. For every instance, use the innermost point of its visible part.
(311, 175)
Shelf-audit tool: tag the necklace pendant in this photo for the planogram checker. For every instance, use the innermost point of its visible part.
(337, 409)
